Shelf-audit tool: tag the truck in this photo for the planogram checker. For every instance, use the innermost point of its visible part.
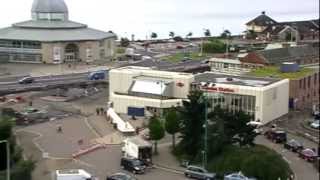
(137, 148)
(72, 174)
(97, 75)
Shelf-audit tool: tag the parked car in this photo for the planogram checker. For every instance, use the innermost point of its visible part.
(26, 80)
(315, 124)
(293, 145)
(135, 166)
(277, 136)
(121, 176)
(308, 154)
(237, 176)
(198, 173)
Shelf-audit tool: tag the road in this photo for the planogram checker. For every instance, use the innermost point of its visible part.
(11, 85)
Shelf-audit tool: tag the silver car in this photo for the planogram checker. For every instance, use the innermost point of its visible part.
(199, 173)
(237, 176)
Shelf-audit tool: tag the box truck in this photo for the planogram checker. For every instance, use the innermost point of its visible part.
(72, 174)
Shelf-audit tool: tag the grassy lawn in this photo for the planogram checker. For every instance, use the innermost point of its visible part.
(275, 72)
(180, 56)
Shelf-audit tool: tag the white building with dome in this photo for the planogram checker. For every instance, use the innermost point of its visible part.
(50, 37)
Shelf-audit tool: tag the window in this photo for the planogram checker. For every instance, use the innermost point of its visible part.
(304, 83)
(309, 81)
(315, 78)
(300, 83)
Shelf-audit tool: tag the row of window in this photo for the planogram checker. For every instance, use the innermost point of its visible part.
(306, 82)
(20, 44)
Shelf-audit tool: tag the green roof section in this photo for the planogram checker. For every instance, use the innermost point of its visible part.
(274, 71)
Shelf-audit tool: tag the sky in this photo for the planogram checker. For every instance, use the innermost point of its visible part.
(141, 17)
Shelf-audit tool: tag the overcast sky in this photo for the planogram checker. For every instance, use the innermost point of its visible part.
(141, 17)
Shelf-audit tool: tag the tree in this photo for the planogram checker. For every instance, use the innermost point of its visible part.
(124, 42)
(172, 124)
(171, 34)
(207, 33)
(178, 39)
(189, 34)
(154, 35)
(156, 131)
(225, 34)
(192, 120)
(214, 46)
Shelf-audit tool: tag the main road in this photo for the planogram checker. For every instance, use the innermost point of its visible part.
(11, 84)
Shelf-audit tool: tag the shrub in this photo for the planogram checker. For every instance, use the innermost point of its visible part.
(258, 161)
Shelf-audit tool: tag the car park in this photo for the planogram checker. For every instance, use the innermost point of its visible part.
(277, 136)
(26, 80)
(237, 176)
(199, 173)
(293, 145)
(308, 154)
(135, 166)
(121, 176)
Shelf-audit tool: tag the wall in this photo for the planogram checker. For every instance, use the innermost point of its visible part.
(274, 100)
(304, 95)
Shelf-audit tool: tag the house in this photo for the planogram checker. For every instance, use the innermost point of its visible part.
(268, 29)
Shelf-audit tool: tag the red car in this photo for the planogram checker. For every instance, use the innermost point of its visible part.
(308, 154)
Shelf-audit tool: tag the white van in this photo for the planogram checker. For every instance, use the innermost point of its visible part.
(72, 174)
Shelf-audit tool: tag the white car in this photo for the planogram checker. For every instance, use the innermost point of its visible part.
(315, 124)
(237, 176)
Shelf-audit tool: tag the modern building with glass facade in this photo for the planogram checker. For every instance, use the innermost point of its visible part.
(50, 37)
(264, 98)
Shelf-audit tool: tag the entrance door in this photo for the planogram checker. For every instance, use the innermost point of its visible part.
(71, 53)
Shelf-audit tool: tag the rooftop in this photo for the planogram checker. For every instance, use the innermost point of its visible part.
(274, 71)
(209, 77)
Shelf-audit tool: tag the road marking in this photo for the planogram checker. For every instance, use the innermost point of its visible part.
(168, 169)
(91, 128)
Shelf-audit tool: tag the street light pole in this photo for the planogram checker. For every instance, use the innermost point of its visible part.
(8, 157)
(205, 132)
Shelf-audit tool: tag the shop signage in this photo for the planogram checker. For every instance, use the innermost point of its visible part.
(180, 84)
(219, 89)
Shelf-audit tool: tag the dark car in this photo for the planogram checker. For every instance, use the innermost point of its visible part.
(121, 176)
(308, 154)
(198, 173)
(293, 145)
(276, 136)
(135, 166)
(26, 80)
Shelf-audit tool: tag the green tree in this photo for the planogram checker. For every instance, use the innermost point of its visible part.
(156, 131)
(124, 42)
(189, 34)
(154, 35)
(192, 119)
(171, 34)
(172, 124)
(214, 46)
(207, 33)
(225, 34)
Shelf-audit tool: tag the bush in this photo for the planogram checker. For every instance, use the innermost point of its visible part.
(214, 46)
(22, 170)
(258, 161)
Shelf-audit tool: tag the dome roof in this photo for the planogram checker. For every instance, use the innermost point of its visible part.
(49, 6)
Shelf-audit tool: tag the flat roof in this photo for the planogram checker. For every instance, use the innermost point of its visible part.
(209, 77)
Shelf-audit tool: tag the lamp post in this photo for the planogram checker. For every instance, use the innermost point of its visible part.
(205, 126)
(8, 157)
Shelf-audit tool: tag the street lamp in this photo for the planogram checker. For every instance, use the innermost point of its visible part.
(8, 157)
(205, 126)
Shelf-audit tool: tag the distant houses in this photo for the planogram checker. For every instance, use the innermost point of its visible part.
(267, 28)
